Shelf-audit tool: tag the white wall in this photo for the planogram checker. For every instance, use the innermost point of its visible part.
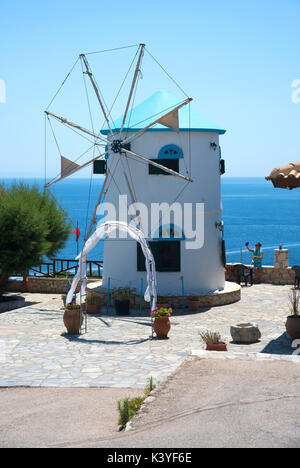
(202, 269)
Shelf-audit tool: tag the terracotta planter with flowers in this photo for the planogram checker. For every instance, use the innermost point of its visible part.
(162, 324)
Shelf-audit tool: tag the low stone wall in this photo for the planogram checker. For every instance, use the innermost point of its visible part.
(231, 294)
(41, 285)
(267, 274)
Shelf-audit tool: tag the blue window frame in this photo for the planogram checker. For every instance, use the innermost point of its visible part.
(170, 152)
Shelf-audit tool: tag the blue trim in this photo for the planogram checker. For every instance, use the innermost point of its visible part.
(158, 237)
(106, 149)
(134, 130)
(170, 152)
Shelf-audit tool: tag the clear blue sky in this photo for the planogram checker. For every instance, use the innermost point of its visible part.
(236, 59)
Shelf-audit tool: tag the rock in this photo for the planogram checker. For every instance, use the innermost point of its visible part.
(245, 333)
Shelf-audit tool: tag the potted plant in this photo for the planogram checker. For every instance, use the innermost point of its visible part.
(73, 319)
(193, 303)
(122, 297)
(213, 341)
(162, 323)
(293, 320)
(94, 305)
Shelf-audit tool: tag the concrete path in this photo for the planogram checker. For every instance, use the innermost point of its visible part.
(206, 403)
(118, 351)
(220, 403)
(43, 417)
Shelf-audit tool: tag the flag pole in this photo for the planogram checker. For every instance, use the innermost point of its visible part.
(77, 238)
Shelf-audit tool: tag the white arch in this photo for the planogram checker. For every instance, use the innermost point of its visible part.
(104, 230)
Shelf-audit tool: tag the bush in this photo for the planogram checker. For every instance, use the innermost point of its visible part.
(128, 408)
(32, 227)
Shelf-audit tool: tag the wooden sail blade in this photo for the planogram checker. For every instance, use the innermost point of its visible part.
(77, 169)
(160, 166)
(67, 166)
(140, 132)
(137, 69)
(74, 125)
(171, 121)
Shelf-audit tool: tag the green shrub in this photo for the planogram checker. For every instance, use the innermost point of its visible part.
(32, 227)
(122, 294)
(150, 386)
(128, 408)
(123, 411)
(73, 306)
(94, 300)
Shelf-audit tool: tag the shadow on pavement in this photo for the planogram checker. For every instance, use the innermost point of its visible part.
(79, 339)
(281, 345)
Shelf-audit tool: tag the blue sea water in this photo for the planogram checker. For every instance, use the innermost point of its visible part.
(255, 211)
(252, 211)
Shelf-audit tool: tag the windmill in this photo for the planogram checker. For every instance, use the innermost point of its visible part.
(161, 136)
(115, 145)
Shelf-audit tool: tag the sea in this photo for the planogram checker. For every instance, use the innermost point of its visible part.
(253, 211)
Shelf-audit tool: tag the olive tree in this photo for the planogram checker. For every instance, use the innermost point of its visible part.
(32, 226)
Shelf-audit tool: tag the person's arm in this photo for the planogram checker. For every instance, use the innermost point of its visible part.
(250, 250)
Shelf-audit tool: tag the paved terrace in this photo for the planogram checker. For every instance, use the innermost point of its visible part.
(118, 351)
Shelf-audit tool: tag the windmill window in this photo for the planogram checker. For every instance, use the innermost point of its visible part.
(99, 167)
(166, 253)
(169, 163)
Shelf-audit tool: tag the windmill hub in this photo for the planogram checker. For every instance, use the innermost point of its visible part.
(116, 146)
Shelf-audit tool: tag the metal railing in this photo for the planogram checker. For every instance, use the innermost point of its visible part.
(59, 267)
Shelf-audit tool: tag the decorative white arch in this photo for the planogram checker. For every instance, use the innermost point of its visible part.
(104, 230)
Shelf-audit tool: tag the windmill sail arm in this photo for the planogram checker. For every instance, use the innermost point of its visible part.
(160, 166)
(74, 125)
(76, 169)
(137, 69)
(163, 117)
(90, 75)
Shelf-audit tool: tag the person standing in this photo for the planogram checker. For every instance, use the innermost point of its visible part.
(256, 257)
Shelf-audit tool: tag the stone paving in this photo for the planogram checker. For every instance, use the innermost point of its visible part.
(119, 351)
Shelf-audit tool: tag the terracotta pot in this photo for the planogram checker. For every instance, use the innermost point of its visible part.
(293, 326)
(72, 321)
(194, 305)
(216, 347)
(162, 327)
(94, 308)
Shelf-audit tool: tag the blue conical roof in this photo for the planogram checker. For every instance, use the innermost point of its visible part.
(156, 106)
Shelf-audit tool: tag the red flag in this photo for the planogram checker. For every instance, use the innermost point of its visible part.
(77, 232)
